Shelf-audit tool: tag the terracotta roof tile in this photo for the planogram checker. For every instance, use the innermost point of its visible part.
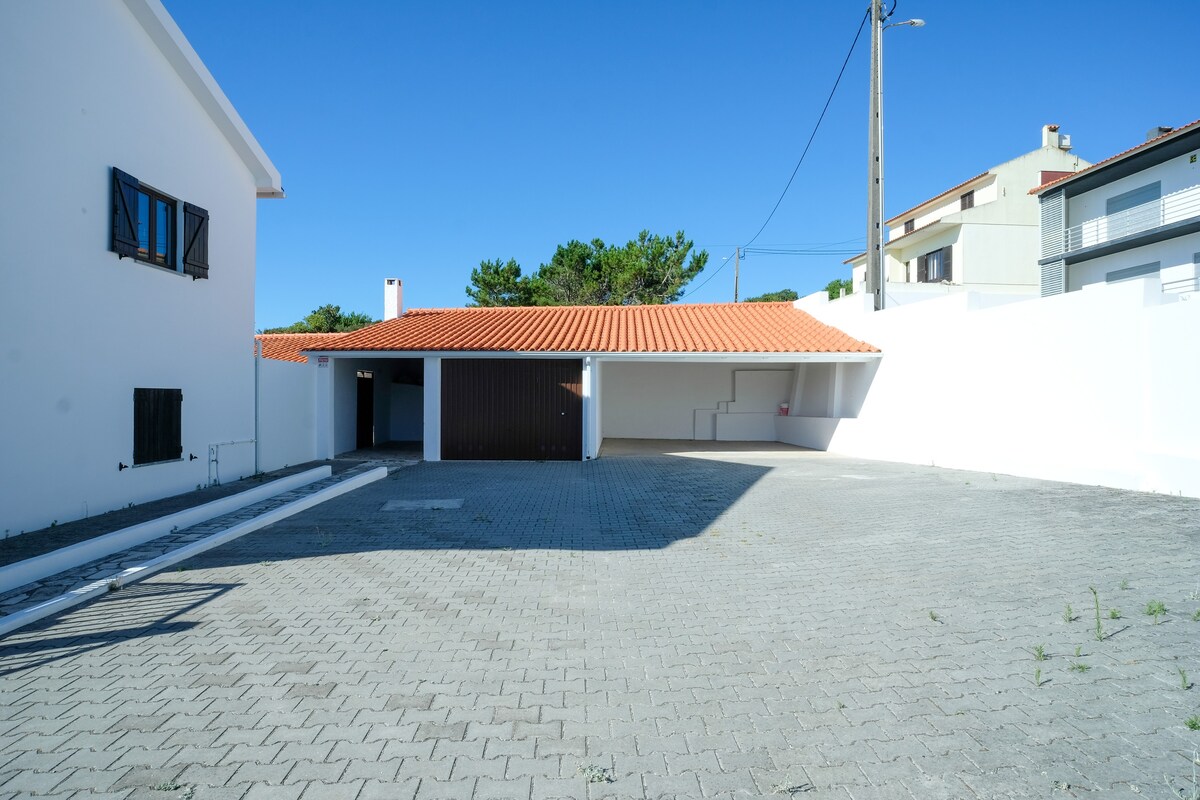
(288, 346)
(1148, 143)
(697, 328)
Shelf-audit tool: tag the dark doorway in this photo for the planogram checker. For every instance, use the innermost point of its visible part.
(365, 436)
(519, 409)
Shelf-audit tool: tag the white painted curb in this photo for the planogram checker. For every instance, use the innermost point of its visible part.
(142, 571)
(33, 569)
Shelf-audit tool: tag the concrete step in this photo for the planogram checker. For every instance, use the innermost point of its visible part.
(53, 593)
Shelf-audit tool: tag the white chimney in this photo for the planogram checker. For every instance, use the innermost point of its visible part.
(393, 298)
(1052, 138)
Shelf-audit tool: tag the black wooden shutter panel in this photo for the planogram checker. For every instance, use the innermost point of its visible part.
(157, 425)
(948, 263)
(195, 241)
(125, 213)
(922, 269)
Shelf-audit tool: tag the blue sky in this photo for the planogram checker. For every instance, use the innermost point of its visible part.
(417, 139)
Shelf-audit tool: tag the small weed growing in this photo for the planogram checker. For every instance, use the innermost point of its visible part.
(593, 773)
(167, 786)
(1114, 613)
(1196, 616)
(791, 788)
(54, 524)
(1037, 677)
(1068, 614)
(1079, 651)
(1078, 666)
(1039, 652)
(1190, 791)
(1183, 679)
(1193, 723)
(933, 616)
(1156, 609)
(1124, 584)
(1099, 628)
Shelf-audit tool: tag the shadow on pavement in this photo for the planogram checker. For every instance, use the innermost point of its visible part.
(134, 612)
(640, 503)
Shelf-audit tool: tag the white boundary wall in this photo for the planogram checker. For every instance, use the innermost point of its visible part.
(286, 414)
(1099, 386)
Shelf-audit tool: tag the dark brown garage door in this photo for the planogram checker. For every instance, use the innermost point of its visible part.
(522, 409)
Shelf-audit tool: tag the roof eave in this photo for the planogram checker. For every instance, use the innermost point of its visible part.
(182, 57)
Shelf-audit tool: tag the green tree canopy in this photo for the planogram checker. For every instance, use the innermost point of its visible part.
(774, 297)
(648, 270)
(327, 319)
(835, 287)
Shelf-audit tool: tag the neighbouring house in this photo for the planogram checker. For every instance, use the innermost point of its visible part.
(980, 235)
(553, 383)
(1134, 215)
(128, 220)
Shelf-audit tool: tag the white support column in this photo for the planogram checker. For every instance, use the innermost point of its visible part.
(323, 411)
(591, 407)
(836, 385)
(433, 408)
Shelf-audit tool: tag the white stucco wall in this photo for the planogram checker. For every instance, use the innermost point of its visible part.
(83, 90)
(1175, 175)
(1092, 387)
(1175, 256)
(286, 416)
(661, 400)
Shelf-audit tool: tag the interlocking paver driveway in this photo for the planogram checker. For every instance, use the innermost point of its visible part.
(754, 625)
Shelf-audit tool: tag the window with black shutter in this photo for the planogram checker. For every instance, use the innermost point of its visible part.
(936, 266)
(909, 224)
(967, 200)
(195, 241)
(157, 425)
(145, 224)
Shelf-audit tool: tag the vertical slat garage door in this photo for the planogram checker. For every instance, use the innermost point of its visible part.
(520, 409)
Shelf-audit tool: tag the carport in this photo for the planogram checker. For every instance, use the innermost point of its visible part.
(551, 383)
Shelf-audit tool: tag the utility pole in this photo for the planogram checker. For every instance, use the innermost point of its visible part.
(737, 268)
(875, 276)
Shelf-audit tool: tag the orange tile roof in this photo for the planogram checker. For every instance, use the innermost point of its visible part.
(1117, 157)
(288, 346)
(697, 328)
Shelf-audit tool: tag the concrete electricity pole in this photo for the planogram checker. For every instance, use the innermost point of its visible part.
(876, 275)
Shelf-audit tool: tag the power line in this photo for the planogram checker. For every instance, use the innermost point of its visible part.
(816, 127)
(811, 137)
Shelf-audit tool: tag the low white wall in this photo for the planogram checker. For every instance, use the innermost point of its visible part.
(1094, 387)
(659, 400)
(286, 414)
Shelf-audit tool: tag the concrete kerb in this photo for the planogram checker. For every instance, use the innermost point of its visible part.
(21, 573)
(140, 572)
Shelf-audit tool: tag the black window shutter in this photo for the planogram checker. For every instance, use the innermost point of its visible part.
(124, 214)
(195, 241)
(922, 269)
(948, 263)
(157, 425)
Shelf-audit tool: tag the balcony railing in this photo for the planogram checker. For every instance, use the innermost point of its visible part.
(1175, 207)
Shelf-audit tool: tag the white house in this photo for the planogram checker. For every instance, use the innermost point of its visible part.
(980, 235)
(1133, 215)
(128, 222)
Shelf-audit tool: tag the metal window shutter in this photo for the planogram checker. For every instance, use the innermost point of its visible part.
(1053, 278)
(195, 241)
(124, 214)
(1053, 225)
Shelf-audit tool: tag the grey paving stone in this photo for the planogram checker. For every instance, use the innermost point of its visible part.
(705, 627)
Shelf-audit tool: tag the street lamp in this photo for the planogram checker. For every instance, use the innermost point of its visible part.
(876, 279)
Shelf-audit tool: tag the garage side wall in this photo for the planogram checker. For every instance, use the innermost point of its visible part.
(286, 413)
